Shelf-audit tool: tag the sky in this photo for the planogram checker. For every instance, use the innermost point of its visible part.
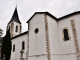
(26, 8)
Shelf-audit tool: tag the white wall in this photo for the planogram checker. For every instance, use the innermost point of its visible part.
(53, 35)
(18, 46)
(55, 47)
(14, 31)
(14, 28)
(37, 42)
(59, 49)
(68, 47)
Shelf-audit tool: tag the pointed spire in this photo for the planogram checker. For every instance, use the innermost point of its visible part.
(15, 16)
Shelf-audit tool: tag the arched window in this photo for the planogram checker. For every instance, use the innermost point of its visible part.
(16, 28)
(66, 37)
(23, 45)
(13, 47)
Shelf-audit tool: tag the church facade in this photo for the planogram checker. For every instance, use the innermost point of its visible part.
(47, 38)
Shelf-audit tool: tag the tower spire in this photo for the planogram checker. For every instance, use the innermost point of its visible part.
(14, 24)
(15, 16)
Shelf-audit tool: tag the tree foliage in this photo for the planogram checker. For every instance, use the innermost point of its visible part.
(6, 45)
(1, 32)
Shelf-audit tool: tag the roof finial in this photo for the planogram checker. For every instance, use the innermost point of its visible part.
(16, 6)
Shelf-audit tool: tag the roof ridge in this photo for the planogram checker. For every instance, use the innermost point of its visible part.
(20, 34)
(57, 19)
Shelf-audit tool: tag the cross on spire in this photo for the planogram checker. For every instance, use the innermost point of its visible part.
(16, 6)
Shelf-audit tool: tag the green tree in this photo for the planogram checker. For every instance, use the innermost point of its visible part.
(6, 46)
(1, 33)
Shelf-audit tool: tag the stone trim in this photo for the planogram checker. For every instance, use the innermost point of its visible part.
(64, 54)
(47, 38)
(28, 44)
(20, 28)
(12, 28)
(75, 39)
(38, 55)
(63, 33)
(51, 54)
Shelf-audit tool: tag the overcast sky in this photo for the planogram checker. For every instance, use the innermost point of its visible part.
(26, 8)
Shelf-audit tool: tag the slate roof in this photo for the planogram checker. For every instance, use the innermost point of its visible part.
(57, 19)
(19, 35)
(71, 14)
(15, 17)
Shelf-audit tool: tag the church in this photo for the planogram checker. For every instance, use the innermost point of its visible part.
(47, 38)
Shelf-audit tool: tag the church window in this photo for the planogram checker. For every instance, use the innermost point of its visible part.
(36, 30)
(13, 47)
(23, 45)
(16, 28)
(66, 37)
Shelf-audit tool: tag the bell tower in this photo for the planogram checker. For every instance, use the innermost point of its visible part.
(14, 24)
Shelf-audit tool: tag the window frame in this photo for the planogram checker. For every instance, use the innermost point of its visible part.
(13, 47)
(68, 34)
(23, 45)
(16, 30)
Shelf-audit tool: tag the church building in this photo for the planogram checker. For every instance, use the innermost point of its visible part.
(47, 38)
